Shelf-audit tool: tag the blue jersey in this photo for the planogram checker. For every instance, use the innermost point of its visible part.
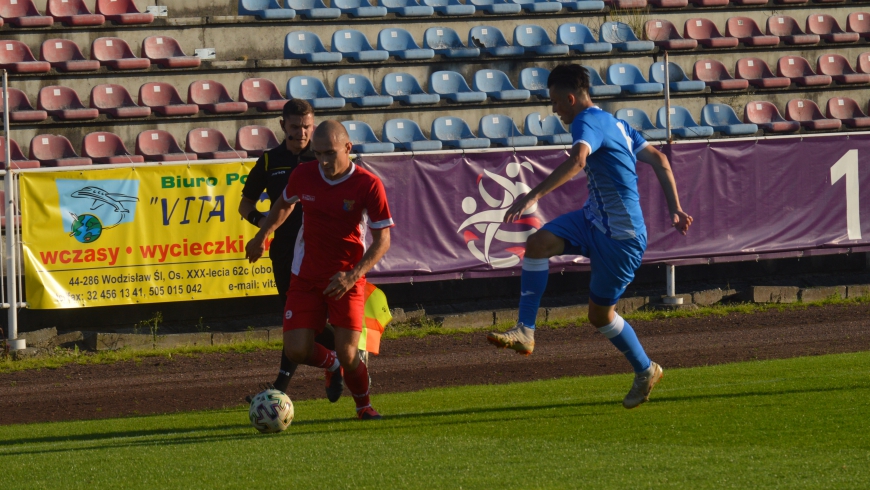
(613, 205)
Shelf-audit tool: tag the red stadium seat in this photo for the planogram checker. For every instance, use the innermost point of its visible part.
(63, 104)
(23, 13)
(123, 12)
(65, 55)
(768, 118)
(156, 145)
(848, 111)
(829, 29)
(166, 52)
(666, 36)
(808, 114)
(709, 3)
(749, 2)
(262, 94)
(747, 32)
(3, 211)
(626, 4)
(716, 76)
(799, 70)
(707, 34)
(114, 100)
(839, 69)
(163, 99)
(105, 147)
(115, 53)
(864, 62)
(789, 31)
(255, 140)
(20, 109)
(73, 13)
(212, 97)
(759, 74)
(859, 22)
(53, 150)
(670, 4)
(791, 2)
(17, 157)
(211, 144)
(15, 57)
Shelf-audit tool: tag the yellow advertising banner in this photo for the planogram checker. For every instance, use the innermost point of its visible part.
(148, 234)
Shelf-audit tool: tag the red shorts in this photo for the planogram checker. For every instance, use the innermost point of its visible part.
(307, 306)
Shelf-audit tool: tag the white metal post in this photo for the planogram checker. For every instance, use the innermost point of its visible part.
(667, 99)
(671, 298)
(14, 342)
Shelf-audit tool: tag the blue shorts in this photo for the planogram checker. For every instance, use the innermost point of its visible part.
(613, 261)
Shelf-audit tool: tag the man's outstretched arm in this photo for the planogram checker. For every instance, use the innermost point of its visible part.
(566, 171)
(659, 162)
(256, 247)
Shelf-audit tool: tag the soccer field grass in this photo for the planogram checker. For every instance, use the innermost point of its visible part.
(796, 423)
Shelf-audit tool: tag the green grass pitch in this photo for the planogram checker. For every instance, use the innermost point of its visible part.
(796, 423)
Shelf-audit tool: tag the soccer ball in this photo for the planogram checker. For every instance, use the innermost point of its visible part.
(271, 411)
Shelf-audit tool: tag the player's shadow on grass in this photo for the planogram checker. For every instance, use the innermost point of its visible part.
(116, 435)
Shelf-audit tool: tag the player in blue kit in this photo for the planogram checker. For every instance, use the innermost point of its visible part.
(609, 229)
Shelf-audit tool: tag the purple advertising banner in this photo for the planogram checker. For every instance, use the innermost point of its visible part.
(749, 199)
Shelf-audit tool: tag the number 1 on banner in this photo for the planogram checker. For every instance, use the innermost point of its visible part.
(847, 166)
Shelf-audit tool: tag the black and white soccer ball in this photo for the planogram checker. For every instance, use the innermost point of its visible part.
(271, 411)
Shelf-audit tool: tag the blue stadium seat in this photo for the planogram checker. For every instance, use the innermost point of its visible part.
(491, 40)
(497, 7)
(549, 130)
(312, 9)
(445, 41)
(535, 81)
(682, 123)
(407, 135)
(631, 79)
(400, 43)
(579, 38)
(359, 8)
(583, 5)
(363, 138)
(622, 37)
(304, 45)
(723, 119)
(540, 6)
(597, 86)
(405, 88)
(501, 130)
(359, 90)
(451, 7)
(265, 9)
(679, 82)
(498, 86)
(407, 8)
(638, 119)
(353, 44)
(453, 132)
(312, 90)
(535, 39)
(452, 86)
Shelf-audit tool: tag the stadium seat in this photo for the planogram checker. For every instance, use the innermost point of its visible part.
(540, 6)
(501, 130)
(312, 9)
(666, 36)
(265, 9)
(114, 100)
(304, 45)
(491, 40)
(65, 55)
(453, 132)
(407, 8)
(709, 3)
(363, 138)
(682, 123)
(707, 34)
(838, 68)
(446, 42)
(864, 63)
(359, 8)
(756, 71)
(211, 144)
(716, 76)
(679, 82)
(15, 57)
(452, 86)
(597, 86)
(827, 28)
(723, 119)
(313, 90)
(407, 135)
(63, 104)
(255, 140)
(105, 147)
(846, 110)
(20, 109)
(451, 7)
(497, 86)
(548, 130)
(496, 7)
(156, 145)
(859, 22)
(3, 202)
(166, 52)
(743, 3)
(535, 81)
(163, 99)
(579, 38)
(789, 31)
(212, 97)
(583, 5)
(401, 45)
(631, 80)
(791, 2)
(73, 13)
(123, 12)
(669, 4)
(768, 118)
(115, 53)
(747, 32)
(799, 70)
(622, 37)
(535, 39)
(16, 156)
(354, 45)
(54, 150)
(407, 90)
(23, 13)
(359, 91)
(808, 114)
(627, 4)
(262, 94)
(637, 119)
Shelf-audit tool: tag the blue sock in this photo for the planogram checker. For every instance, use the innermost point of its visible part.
(532, 286)
(620, 334)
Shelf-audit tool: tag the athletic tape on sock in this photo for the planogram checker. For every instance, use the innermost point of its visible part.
(613, 328)
(530, 264)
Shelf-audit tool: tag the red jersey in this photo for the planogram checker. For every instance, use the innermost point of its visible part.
(332, 235)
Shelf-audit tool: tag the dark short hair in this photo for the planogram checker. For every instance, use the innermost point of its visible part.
(297, 107)
(571, 77)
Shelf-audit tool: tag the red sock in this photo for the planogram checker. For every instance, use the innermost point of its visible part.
(358, 384)
(321, 357)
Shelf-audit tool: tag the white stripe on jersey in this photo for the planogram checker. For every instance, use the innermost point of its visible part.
(381, 224)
